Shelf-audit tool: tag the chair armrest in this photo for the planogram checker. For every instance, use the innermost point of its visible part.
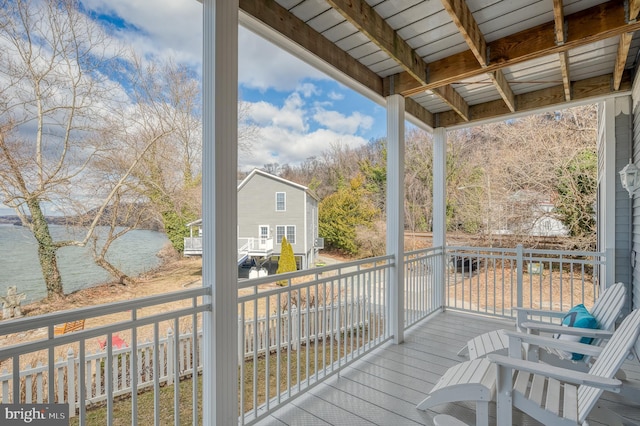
(565, 345)
(540, 312)
(596, 333)
(562, 374)
(524, 314)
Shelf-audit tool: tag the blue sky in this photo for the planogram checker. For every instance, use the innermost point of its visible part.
(300, 111)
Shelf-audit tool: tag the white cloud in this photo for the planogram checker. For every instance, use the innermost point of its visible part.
(173, 28)
(262, 65)
(291, 116)
(160, 28)
(308, 89)
(335, 96)
(343, 124)
(284, 146)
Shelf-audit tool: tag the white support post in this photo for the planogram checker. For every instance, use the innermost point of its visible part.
(395, 211)
(440, 204)
(219, 210)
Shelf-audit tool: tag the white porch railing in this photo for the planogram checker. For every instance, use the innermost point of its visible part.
(422, 294)
(291, 336)
(325, 318)
(246, 247)
(30, 373)
(491, 280)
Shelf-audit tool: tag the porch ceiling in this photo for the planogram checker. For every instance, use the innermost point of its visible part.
(458, 62)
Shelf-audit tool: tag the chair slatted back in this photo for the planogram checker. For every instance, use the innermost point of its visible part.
(608, 306)
(609, 362)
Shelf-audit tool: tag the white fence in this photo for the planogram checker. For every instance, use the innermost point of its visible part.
(296, 327)
(67, 384)
(299, 326)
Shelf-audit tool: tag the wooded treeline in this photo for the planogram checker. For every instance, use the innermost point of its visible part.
(507, 178)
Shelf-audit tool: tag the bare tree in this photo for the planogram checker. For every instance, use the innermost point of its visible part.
(53, 71)
(60, 118)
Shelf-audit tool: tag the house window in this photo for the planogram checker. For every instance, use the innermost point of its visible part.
(291, 234)
(288, 231)
(280, 229)
(281, 204)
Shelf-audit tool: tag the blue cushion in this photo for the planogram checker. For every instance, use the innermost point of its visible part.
(580, 317)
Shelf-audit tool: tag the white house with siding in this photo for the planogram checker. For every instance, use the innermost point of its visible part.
(269, 208)
(272, 207)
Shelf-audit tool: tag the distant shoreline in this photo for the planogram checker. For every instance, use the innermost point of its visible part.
(72, 221)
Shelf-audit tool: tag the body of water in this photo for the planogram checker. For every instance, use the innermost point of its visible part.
(134, 253)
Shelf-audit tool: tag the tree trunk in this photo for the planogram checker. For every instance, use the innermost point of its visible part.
(47, 251)
(115, 272)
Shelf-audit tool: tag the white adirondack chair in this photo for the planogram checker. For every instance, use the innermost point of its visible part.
(475, 380)
(605, 310)
(559, 396)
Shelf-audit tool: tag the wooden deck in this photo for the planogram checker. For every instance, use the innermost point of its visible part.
(384, 387)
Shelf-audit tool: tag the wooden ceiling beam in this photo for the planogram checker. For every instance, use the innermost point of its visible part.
(564, 69)
(370, 23)
(470, 31)
(585, 27)
(419, 112)
(621, 58)
(558, 18)
(502, 85)
(549, 97)
(468, 27)
(453, 98)
(634, 8)
(563, 57)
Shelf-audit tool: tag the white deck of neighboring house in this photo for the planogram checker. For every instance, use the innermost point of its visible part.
(385, 386)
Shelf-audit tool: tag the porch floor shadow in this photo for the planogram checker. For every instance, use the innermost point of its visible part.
(384, 387)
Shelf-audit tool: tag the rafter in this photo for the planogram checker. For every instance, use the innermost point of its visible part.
(582, 90)
(566, 80)
(634, 8)
(501, 83)
(468, 27)
(587, 26)
(456, 101)
(621, 58)
(370, 23)
(558, 17)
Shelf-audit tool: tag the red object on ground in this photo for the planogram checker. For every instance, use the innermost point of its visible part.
(116, 342)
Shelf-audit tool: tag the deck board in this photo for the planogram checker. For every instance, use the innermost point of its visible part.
(384, 387)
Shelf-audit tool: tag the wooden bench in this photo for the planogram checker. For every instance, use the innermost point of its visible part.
(68, 327)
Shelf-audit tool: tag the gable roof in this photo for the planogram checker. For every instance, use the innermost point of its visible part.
(277, 179)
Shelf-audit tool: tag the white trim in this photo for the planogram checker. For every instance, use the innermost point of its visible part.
(395, 212)
(608, 181)
(273, 177)
(439, 217)
(220, 210)
(260, 227)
